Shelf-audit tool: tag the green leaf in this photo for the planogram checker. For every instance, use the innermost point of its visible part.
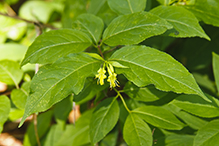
(176, 140)
(10, 72)
(216, 69)
(127, 6)
(95, 55)
(101, 9)
(104, 118)
(208, 135)
(206, 11)
(146, 94)
(192, 121)
(117, 64)
(185, 24)
(12, 51)
(54, 82)
(15, 114)
(150, 66)
(77, 134)
(196, 105)
(111, 138)
(159, 117)
(136, 132)
(54, 44)
(4, 110)
(43, 124)
(91, 25)
(134, 28)
(19, 96)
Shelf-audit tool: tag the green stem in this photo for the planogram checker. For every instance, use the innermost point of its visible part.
(123, 101)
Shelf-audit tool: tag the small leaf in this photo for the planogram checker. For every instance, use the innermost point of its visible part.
(186, 26)
(146, 94)
(159, 117)
(54, 44)
(134, 28)
(196, 105)
(19, 96)
(95, 55)
(150, 66)
(206, 11)
(127, 6)
(216, 69)
(117, 64)
(55, 82)
(4, 110)
(104, 118)
(91, 25)
(10, 72)
(208, 135)
(136, 132)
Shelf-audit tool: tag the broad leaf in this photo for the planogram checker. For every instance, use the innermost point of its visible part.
(10, 72)
(208, 135)
(127, 6)
(134, 28)
(19, 96)
(216, 69)
(43, 124)
(196, 105)
(54, 44)
(147, 94)
(150, 66)
(4, 110)
(104, 118)
(206, 10)
(191, 120)
(136, 132)
(91, 25)
(176, 140)
(159, 117)
(54, 82)
(185, 24)
(111, 138)
(77, 134)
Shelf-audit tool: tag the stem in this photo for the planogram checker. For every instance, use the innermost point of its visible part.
(35, 129)
(100, 51)
(123, 101)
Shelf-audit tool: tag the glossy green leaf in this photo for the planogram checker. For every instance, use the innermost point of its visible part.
(208, 135)
(91, 25)
(77, 134)
(104, 118)
(150, 66)
(12, 51)
(10, 72)
(54, 82)
(176, 140)
(111, 138)
(54, 44)
(127, 6)
(136, 132)
(196, 105)
(101, 9)
(191, 120)
(4, 110)
(147, 94)
(117, 64)
(159, 117)
(43, 124)
(134, 28)
(216, 69)
(185, 24)
(206, 10)
(19, 96)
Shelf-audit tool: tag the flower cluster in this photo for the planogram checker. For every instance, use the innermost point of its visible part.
(111, 78)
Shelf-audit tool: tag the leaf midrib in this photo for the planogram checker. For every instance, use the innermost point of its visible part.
(59, 82)
(136, 129)
(88, 31)
(158, 73)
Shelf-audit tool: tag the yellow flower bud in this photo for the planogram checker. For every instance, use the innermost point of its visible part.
(101, 76)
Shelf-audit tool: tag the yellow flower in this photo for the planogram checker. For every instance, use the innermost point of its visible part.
(101, 76)
(112, 77)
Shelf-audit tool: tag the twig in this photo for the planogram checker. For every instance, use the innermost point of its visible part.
(38, 24)
(35, 129)
(100, 51)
